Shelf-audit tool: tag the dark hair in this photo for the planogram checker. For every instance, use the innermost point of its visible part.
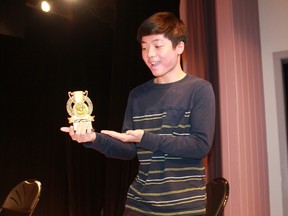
(163, 23)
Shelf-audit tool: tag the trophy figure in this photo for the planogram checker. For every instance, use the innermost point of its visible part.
(79, 107)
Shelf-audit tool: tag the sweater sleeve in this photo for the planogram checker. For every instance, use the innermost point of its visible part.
(112, 148)
(198, 143)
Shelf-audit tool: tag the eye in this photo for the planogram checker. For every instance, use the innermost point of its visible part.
(158, 46)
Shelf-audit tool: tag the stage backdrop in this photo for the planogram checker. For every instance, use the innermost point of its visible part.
(80, 49)
(90, 46)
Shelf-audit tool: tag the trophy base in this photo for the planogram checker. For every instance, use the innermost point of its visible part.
(88, 124)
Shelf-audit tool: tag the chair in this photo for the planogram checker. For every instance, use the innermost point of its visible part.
(22, 199)
(217, 196)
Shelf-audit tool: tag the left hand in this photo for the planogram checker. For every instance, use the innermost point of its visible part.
(84, 132)
(129, 136)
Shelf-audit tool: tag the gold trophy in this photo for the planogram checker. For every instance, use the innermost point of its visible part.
(79, 107)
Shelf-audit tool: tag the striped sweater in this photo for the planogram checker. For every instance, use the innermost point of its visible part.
(178, 119)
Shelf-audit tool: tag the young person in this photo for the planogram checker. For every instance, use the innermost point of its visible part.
(168, 124)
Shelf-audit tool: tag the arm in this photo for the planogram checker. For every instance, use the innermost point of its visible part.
(112, 147)
(108, 146)
(196, 145)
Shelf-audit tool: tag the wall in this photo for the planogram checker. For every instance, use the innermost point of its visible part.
(243, 132)
(254, 138)
(274, 39)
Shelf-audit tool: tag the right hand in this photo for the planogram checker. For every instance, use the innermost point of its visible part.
(84, 132)
(129, 137)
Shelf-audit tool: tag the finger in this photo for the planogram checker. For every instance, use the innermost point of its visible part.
(65, 129)
(113, 134)
(83, 129)
(71, 132)
(130, 132)
(107, 132)
(80, 127)
(90, 128)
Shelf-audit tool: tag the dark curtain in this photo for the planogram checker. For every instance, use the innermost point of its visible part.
(215, 155)
(75, 49)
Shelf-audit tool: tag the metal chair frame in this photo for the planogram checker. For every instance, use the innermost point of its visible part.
(217, 196)
(23, 198)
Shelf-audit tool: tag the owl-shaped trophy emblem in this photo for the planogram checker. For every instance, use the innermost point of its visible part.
(79, 107)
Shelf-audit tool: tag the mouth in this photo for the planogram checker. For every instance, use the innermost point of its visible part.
(154, 64)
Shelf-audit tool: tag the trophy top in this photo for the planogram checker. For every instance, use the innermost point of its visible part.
(79, 106)
(78, 96)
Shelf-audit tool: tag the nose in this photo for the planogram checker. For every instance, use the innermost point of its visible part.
(151, 52)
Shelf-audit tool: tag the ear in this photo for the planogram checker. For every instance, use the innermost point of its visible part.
(180, 47)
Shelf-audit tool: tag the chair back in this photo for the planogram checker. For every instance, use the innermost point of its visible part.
(217, 196)
(23, 198)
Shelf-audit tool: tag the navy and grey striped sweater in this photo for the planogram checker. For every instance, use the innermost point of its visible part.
(178, 119)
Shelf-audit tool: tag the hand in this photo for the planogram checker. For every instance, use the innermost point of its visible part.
(129, 136)
(83, 133)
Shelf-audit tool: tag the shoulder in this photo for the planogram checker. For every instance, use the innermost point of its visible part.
(194, 84)
(144, 87)
(196, 80)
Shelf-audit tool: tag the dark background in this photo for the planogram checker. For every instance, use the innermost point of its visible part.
(90, 45)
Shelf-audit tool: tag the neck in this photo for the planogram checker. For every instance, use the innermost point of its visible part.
(170, 79)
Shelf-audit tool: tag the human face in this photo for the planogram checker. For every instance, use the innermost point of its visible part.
(161, 58)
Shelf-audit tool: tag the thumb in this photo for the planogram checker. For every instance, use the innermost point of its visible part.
(129, 132)
(65, 129)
